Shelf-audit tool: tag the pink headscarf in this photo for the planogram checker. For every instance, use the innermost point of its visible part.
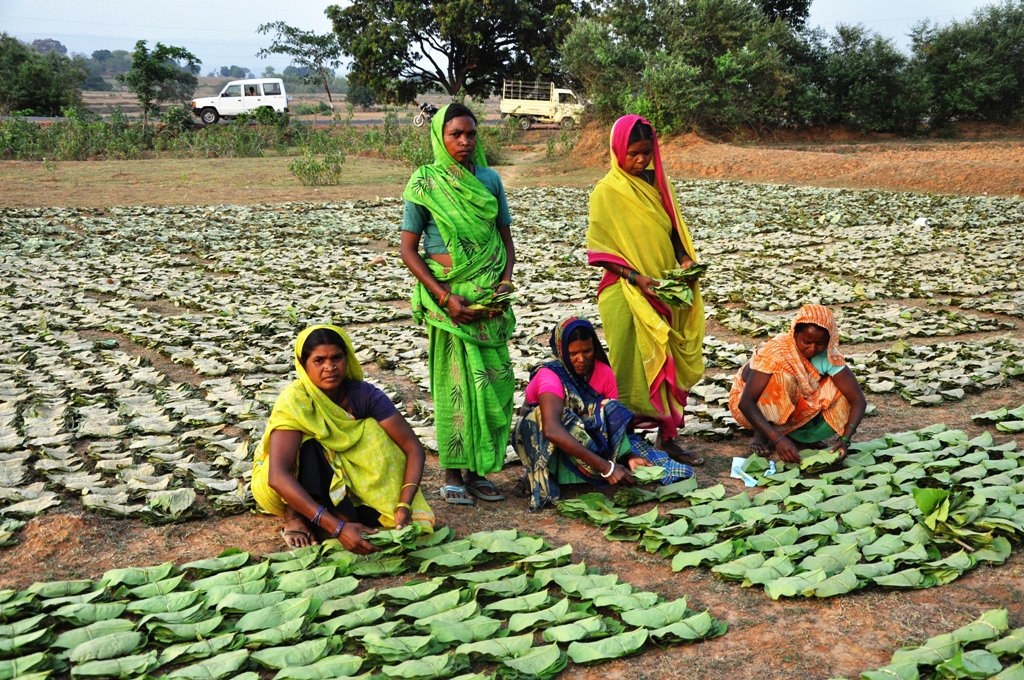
(620, 144)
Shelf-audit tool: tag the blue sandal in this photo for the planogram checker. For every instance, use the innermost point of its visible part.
(484, 490)
(461, 499)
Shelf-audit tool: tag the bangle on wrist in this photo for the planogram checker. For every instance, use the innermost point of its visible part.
(404, 505)
(337, 531)
(611, 470)
(444, 298)
(778, 440)
(632, 277)
(845, 439)
(507, 282)
(406, 486)
(319, 513)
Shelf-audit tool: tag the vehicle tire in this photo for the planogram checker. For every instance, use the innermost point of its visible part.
(525, 123)
(417, 120)
(568, 123)
(209, 116)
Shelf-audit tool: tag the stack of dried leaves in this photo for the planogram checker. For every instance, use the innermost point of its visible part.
(306, 615)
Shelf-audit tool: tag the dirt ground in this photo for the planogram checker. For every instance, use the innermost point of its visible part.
(787, 639)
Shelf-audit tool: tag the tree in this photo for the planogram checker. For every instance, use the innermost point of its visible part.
(404, 48)
(974, 69)
(42, 83)
(157, 77)
(360, 95)
(793, 12)
(711, 63)
(320, 54)
(47, 45)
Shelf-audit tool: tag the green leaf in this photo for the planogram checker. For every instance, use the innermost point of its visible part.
(123, 668)
(977, 663)
(202, 649)
(468, 630)
(398, 649)
(360, 617)
(108, 647)
(302, 654)
(137, 576)
(429, 607)
(347, 604)
(697, 627)
(275, 615)
(542, 663)
(215, 668)
(497, 649)
(989, 626)
(240, 603)
(521, 603)
(441, 666)
(298, 581)
(413, 592)
(342, 665)
(76, 636)
(89, 612)
(576, 630)
(614, 647)
(790, 586)
(164, 603)
(658, 616)
(217, 564)
(556, 614)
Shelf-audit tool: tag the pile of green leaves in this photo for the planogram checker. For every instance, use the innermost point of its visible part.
(495, 597)
(496, 302)
(984, 648)
(677, 286)
(1005, 420)
(909, 510)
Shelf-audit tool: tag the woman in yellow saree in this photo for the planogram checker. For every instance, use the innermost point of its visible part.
(337, 458)
(637, 234)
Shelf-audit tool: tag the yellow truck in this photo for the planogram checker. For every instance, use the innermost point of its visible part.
(538, 102)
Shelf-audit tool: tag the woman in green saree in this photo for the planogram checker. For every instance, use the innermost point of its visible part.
(457, 206)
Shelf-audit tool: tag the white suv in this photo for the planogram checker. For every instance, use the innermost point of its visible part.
(242, 96)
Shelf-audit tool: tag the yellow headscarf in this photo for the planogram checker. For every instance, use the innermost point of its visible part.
(363, 456)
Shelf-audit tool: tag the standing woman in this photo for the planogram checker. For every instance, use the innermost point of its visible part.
(636, 233)
(457, 207)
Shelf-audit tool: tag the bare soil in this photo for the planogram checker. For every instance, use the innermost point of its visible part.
(767, 639)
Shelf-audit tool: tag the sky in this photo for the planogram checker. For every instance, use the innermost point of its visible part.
(223, 32)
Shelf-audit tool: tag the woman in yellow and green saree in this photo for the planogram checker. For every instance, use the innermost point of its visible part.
(637, 234)
(337, 459)
(457, 206)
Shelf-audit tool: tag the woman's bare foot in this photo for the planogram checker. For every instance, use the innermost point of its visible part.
(296, 532)
(760, 445)
(678, 453)
(454, 489)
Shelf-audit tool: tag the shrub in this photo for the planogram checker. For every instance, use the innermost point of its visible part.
(312, 172)
(178, 119)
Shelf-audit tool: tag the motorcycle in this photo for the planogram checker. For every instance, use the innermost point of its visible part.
(427, 112)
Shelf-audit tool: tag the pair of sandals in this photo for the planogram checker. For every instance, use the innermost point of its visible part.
(483, 489)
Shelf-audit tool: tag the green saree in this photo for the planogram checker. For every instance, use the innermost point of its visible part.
(471, 378)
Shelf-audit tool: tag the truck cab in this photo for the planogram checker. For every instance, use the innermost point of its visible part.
(242, 96)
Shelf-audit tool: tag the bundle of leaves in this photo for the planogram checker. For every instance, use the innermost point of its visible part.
(909, 510)
(307, 614)
(984, 648)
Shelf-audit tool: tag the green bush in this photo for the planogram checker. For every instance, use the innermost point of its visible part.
(312, 172)
(974, 69)
(178, 119)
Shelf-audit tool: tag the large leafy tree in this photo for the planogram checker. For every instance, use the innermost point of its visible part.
(404, 47)
(793, 12)
(319, 55)
(42, 83)
(157, 76)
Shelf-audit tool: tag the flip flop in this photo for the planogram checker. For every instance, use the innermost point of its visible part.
(286, 532)
(461, 499)
(484, 490)
(521, 489)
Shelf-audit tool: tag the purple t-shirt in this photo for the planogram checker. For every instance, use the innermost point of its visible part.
(367, 401)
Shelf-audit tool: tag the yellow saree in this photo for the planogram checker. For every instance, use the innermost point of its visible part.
(655, 350)
(366, 461)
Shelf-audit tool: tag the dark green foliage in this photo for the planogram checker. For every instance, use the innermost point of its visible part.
(156, 77)
(42, 84)
(402, 49)
(974, 69)
(793, 12)
(859, 78)
(360, 95)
